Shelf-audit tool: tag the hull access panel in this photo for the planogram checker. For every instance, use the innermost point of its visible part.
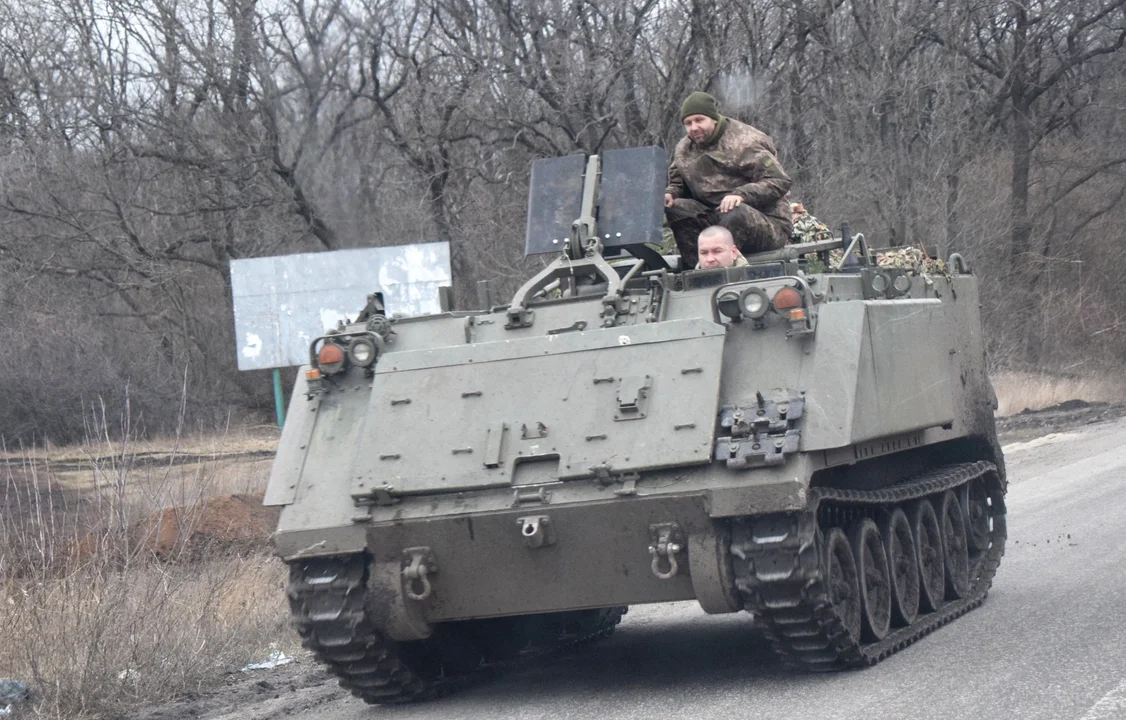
(613, 400)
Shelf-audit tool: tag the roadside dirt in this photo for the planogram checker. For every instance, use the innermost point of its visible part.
(288, 691)
(302, 688)
(221, 522)
(227, 522)
(1064, 416)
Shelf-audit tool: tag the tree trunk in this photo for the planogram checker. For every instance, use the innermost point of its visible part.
(1021, 144)
(953, 187)
(799, 141)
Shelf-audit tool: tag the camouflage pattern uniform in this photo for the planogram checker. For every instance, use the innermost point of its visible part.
(807, 228)
(736, 160)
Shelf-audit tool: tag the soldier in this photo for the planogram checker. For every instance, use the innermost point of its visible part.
(807, 228)
(717, 248)
(725, 172)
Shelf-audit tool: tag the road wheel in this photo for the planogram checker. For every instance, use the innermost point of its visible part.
(928, 551)
(903, 566)
(957, 558)
(979, 523)
(840, 575)
(872, 578)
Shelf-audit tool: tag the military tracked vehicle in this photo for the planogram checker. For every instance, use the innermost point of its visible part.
(463, 490)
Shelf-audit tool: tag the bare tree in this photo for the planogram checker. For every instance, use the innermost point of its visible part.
(1040, 62)
(144, 145)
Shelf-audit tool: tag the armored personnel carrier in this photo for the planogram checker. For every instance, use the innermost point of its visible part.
(462, 490)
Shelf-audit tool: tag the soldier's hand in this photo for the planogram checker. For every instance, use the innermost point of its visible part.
(729, 203)
(668, 199)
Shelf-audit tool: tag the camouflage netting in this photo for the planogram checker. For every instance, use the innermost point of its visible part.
(808, 228)
(913, 259)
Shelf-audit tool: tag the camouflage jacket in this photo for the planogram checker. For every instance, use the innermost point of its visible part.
(737, 160)
(808, 228)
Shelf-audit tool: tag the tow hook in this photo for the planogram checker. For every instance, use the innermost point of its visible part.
(420, 564)
(667, 541)
(536, 530)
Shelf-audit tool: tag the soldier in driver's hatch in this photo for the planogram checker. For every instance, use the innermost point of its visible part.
(717, 249)
(725, 172)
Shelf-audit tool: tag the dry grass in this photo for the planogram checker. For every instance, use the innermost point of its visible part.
(1018, 391)
(90, 616)
(262, 439)
(100, 638)
(235, 462)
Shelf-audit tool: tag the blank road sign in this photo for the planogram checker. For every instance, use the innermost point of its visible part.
(282, 303)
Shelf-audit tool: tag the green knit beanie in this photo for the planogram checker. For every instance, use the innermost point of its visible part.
(699, 103)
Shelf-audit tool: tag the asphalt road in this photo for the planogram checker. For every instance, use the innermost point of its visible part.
(1049, 642)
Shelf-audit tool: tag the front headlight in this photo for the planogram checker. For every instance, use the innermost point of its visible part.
(754, 303)
(362, 352)
(729, 305)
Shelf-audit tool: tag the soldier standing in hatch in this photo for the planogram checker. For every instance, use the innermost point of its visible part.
(725, 172)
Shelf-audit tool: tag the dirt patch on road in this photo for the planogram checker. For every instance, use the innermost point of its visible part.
(298, 690)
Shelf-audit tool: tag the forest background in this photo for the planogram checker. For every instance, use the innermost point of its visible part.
(146, 143)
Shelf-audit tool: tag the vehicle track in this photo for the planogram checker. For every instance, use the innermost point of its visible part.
(327, 605)
(780, 569)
